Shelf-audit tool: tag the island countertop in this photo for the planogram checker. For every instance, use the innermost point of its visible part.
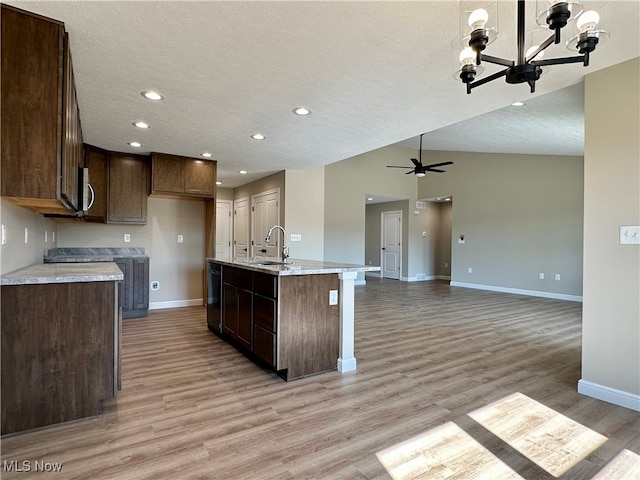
(63, 273)
(294, 266)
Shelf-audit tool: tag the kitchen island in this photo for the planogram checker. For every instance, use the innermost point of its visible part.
(60, 343)
(296, 317)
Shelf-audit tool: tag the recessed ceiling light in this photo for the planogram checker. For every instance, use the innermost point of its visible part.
(242, 172)
(135, 144)
(518, 104)
(447, 199)
(258, 136)
(370, 198)
(141, 125)
(151, 95)
(218, 182)
(206, 154)
(301, 111)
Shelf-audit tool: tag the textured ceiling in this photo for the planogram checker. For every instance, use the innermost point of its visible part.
(372, 73)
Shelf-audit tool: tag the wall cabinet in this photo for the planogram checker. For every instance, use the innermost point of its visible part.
(133, 291)
(183, 176)
(97, 161)
(41, 132)
(128, 188)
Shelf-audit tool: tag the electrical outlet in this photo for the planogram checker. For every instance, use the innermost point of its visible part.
(4, 234)
(541, 276)
(127, 237)
(446, 265)
(557, 277)
(333, 297)
(155, 285)
(469, 270)
(180, 239)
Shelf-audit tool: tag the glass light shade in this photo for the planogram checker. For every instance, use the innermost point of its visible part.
(467, 56)
(478, 18)
(420, 174)
(587, 21)
(543, 6)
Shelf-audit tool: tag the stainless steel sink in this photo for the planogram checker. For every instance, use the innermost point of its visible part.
(265, 262)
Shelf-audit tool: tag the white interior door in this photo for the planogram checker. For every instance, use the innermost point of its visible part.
(241, 228)
(391, 242)
(224, 222)
(265, 209)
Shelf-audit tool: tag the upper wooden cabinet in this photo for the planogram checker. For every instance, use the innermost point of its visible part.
(173, 175)
(128, 188)
(97, 161)
(41, 134)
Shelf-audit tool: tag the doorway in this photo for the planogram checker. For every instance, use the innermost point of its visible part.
(391, 244)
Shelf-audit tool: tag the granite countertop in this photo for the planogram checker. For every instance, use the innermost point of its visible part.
(92, 254)
(294, 266)
(63, 273)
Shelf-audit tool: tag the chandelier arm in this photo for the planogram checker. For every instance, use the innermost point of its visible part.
(497, 60)
(542, 46)
(488, 79)
(558, 61)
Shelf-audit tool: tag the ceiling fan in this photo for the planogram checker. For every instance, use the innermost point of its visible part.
(419, 169)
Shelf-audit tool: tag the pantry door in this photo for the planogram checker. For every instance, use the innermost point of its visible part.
(391, 242)
(265, 209)
(224, 221)
(241, 228)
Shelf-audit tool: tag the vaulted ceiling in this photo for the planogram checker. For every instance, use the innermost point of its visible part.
(372, 74)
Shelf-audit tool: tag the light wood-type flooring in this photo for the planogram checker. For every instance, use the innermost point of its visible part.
(428, 355)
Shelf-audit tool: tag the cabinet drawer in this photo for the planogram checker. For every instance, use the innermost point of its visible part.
(264, 344)
(264, 312)
(238, 277)
(265, 284)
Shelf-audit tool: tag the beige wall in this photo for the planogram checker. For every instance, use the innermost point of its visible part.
(304, 191)
(177, 266)
(443, 246)
(373, 231)
(272, 182)
(16, 254)
(611, 312)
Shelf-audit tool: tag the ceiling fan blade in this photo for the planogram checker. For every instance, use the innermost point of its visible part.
(416, 162)
(396, 166)
(409, 173)
(439, 164)
(434, 170)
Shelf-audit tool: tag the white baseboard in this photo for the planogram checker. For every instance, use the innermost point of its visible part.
(520, 291)
(360, 282)
(194, 302)
(421, 277)
(608, 394)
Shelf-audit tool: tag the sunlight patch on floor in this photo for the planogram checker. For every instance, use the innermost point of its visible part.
(443, 452)
(548, 438)
(624, 465)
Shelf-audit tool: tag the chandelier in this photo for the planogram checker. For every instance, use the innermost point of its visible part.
(527, 68)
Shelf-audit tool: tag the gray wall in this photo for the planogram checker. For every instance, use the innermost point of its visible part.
(611, 311)
(177, 266)
(16, 254)
(520, 215)
(373, 221)
(277, 180)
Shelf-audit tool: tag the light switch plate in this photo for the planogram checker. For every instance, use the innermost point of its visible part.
(180, 239)
(630, 235)
(296, 237)
(127, 237)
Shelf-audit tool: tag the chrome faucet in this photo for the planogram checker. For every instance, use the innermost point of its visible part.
(285, 250)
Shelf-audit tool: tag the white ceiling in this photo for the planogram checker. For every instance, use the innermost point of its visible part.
(373, 74)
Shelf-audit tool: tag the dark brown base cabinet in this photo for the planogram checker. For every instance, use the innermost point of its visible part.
(60, 353)
(133, 291)
(284, 322)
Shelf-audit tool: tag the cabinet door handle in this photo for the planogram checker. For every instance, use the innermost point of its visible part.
(93, 196)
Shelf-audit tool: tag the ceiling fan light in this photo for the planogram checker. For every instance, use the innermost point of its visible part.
(420, 174)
